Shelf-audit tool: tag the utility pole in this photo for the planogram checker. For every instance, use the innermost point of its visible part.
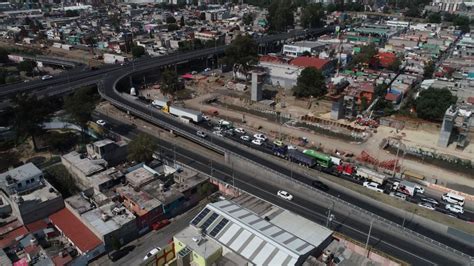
(368, 236)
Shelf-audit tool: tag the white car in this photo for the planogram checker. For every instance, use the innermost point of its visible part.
(258, 142)
(260, 136)
(201, 134)
(46, 77)
(291, 147)
(100, 122)
(398, 195)
(240, 130)
(207, 70)
(454, 208)
(373, 186)
(205, 118)
(285, 195)
(426, 205)
(218, 133)
(151, 253)
(245, 138)
(419, 189)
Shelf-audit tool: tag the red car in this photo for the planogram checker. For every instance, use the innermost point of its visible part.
(160, 224)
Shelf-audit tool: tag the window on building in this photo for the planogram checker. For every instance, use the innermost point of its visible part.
(19, 185)
(27, 181)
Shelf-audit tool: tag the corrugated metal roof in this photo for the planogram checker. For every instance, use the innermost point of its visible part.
(249, 235)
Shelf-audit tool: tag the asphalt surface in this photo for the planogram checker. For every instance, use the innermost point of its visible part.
(399, 247)
(79, 77)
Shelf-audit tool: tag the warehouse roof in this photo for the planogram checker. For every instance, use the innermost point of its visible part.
(249, 235)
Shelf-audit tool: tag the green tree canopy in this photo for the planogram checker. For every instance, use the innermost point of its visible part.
(80, 106)
(248, 19)
(3, 55)
(26, 66)
(242, 50)
(367, 52)
(463, 23)
(434, 17)
(169, 83)
(310, 83)
(181, 22)
(280, 15)
(30, 114)
(141, 148)
(429, 70)
(173, 27)
(170, 20)
(432, 103)
(138, 51)
(312, 16)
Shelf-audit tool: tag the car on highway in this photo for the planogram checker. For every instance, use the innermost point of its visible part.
(229, 132)
(285, 195)
(239, 130)
(245, 138)
(319, 185)
(218, 133)
(398, 195)
(260, 136)
(151, 253)
(454, 208)
(46, 77)
(373, 186)
(278, 143)
(427, 205)
(258, 142)
(100, 122)
(429, 200)
(291, 147)
(453, 198)
(201, 134)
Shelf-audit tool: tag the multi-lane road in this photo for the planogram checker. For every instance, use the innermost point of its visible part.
(401, 247)
(109, 79)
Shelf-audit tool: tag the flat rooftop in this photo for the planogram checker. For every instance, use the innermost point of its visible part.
(79, 204)
(42, 194)
(86, 166)
(140, 175)
(193, 240)
(114, 220)
(21, 173)
(144, 200)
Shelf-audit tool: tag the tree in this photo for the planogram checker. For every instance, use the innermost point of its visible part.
(312, 15)
(181, 22)
(169, 82)
(30, 114)
(3, 55)
(243, 50)
(72, 13)
(366, 53)
(280, 15)
(141, 148)
(170, 20)
(429, 70)
(26, 66)
(306, 53)
(310, 83)
(80, 106)
(432, 103)
(434, 18)
(248, 18)
(202, 16)
(463, 23)
(395, 65)
(380, 90)
(173, 27)
(138, 51)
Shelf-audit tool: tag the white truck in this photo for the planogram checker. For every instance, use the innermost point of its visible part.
(114, 59)
(407, 187)
(371, 174)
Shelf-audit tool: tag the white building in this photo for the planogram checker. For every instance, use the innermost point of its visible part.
(450, 5)
(298, 48)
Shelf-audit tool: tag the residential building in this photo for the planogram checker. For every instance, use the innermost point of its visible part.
(111, 151)
(298, 48)
(30, 196)
(82, 167)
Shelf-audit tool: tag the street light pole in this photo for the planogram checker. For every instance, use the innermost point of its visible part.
(368, 236)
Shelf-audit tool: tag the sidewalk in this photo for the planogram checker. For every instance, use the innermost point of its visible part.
(272, 129)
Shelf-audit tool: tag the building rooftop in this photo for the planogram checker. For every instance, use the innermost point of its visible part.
(21, 173)
(140, 175)
(155, 189)
(108, 217)
(75, 230)
(85, 165)
(309, 44)
(103, 142)
(79, 204)
(193, 240)
(141, 198)
(254, 238)
(305, 61)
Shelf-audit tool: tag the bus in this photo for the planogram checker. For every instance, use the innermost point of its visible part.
(321, 159)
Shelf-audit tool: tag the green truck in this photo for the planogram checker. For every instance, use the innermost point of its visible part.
(322, 159)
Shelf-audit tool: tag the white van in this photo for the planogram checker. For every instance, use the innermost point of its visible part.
(453, 198)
